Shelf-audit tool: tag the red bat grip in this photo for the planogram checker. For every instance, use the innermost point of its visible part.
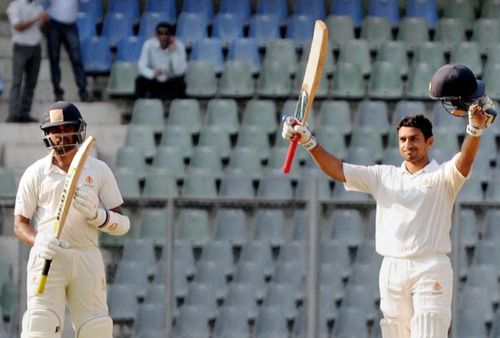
(290, 154)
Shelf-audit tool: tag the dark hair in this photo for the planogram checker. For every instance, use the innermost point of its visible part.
(417, 121)
(165, 25)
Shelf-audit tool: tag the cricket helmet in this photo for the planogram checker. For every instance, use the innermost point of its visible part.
(456, 85)
(62, 113)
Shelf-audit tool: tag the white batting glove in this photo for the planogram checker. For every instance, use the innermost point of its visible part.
(481, 115)
(87, 202)
(48, 246)
(292, 127)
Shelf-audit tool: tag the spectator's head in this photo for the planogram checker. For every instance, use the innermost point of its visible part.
(165, 33)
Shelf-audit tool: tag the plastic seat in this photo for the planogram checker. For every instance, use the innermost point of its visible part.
(361, 298)
(412, 31)
(236, 80)
(449, 31)
(395, 53)
(469, 231)
(199, 185)
(352, 9)
(245, 50)
(134, 274)
(150, 19)
(426, 10)
(236, 186)
(220, 253)
(167, 7)
(274, 80)
(407, 107)
(430, 52)
(476, 298)
(193, 226)
(150, 318)
(231, 322)
(487, 252)
(340, 30)
(212, 274)
(201, 81)
(204, 8)
(261, 114)
(227, 27)
(335, 114)
(269, 225)
(278, 8)
(128, 182)
(191, 27)
(362, 274)
(216, 138)
(385, 83)
(323, 187)
(183, 259)
(161, 185)
(242, 9)
(485, 277)
(142, 137)
(282, 51)
(366, 254)
(471, 191)
(419, 76)
(122, 79)
(257, 138)
(149, 112)
(275, 187)
(223, 113)
(250, 274)
(171, 158)
(96, 55)
(185, 113)
(347, 225)
(139, 250)
(463, 10)
(299, 327)
(129, 49)
(117, 26)
(491, 73)
(348, 82)
(153, 225)
(92, 8)
(264, 28)
(291, 259)
(244, 161)
(352, 323)
(86, 24)
(230, 225)
(386, 9)
(358, 52)
(446, 141)
(129, 8)
(376, 30)
(490, 9)
(300, 29)
(192, 321)
(373, 114)
(359, 155)
(8, 186)
(486, 32)
(209, 50)
(333, 141)
(271, 322)
(314, 9)
(281, 296)
(257, 252)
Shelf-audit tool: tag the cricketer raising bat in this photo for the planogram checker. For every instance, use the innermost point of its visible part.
(67, 195)
(312, 77)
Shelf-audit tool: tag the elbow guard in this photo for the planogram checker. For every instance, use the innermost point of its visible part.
(116, 224)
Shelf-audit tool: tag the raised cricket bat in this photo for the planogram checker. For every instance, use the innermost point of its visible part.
(312, 77)
(70, 184)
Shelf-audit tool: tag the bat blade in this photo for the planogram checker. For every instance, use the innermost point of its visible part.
(69, 188)
(310, 83)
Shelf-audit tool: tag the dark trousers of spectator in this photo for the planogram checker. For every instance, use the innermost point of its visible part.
(168, 90)
(58, 34)
(25, 68)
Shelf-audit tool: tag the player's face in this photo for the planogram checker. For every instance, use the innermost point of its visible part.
(413, 146)
(63, 139)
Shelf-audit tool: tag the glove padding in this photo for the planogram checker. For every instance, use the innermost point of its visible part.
(292, 127)
(48, 246)
(481, 115)
(87, 202)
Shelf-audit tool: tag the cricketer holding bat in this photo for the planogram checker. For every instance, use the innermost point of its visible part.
(414, 206)
(77, 275)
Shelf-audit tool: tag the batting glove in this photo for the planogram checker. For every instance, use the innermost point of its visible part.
(292, 127)
(87, 202)
(47, 246)
(481, 115)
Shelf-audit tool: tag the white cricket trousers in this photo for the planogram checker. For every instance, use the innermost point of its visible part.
(411, 286)
(76, 276)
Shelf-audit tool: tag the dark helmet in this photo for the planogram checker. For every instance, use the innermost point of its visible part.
(63, 113)
(457, 85)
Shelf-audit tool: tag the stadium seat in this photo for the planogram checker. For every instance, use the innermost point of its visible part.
(242, 9)
(412, 31)
(150, 19)
(260, 113)
(206, 158)
(230, 224)
(275, 187)
(199, 186)
(141, 136)
(274, 80)
(407, 107)
(127, 158)
(201, 80)
(236, 80)
(185, 113)
(8, 186)
(348, 82)
(129, 8)
(153, 225)
(333, 141)
(251, 274)
(192, 321)
(282, 51)
(220, 253)
(122, 302)
(166, 7)
(376, 31)
(340, 30)
(366, 254)
(129, 49)
(245, 49)
(352, 323)
(356, 51)
(463, 10)
(449, 32)
(160, 185)
(269, 225)
(244, 161)
(359, 155)
(281, 296)
(86, 24)
(232, 322)
(227, 27)
(300, 29)
(193, 226)
(418, 80)
(271, 322)
(395, 53)
(122, 79)
(323, 187)
(204, 8)
(211, 274)
(210, 50)
(277, 8)
(149, 112)
(373, 114)
(299, 327)
(324, 84)
(486, 32)
(223, 113)
(191, 27)
(96, 55)
(133, 274)
(217, 138)
(385, 8)
(349, 8)
(467, 53)
(491, 73)
(347, 226)
(257, 138)
(116, 26)
(128, 182)
(264, 28)
(385, 83)
(426, 10)
(335, 114)
(92, 8)
(170, 157)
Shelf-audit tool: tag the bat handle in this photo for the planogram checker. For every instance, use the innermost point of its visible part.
(287, 165)
(43, 278)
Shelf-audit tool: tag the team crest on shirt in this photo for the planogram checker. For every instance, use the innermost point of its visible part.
(427, 183)
(89, 180)
(437, 289)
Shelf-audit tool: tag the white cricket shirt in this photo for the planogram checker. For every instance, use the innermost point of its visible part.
(40, 189)
(173, 63)
(65, 11)
(20, 11)
(413, 214)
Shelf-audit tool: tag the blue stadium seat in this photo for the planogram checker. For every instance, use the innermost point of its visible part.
(191, 27)
(129, 49)
(385, 8)
(129, 8)
(277, 8)
(241, 8)
(92, 8)
(203, 7)
(209, 50)
(245, 49)
(149, 20)
(299, 28)
(96, 55)
(352, 8)
(166, 7)
(227, 27)
(86, 25)
(314, 9)
(425, 9)
(264, 28)
(117, 26)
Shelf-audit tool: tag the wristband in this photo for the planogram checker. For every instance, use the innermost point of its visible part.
(310, 144)
(473, 131)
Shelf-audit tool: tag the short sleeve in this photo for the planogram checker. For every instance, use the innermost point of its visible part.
(360, 178)
(109, 192)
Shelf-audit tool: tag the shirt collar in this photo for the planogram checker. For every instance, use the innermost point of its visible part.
(48, 166)
(430, 167)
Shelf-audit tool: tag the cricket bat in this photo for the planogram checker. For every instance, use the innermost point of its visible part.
(69, 188)
(312, 77)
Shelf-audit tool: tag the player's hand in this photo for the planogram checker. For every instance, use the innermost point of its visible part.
(87, 202)
(48, 246)
(292, 127)
(481, 114)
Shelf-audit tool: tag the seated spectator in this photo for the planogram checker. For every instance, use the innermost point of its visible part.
(162, 65)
